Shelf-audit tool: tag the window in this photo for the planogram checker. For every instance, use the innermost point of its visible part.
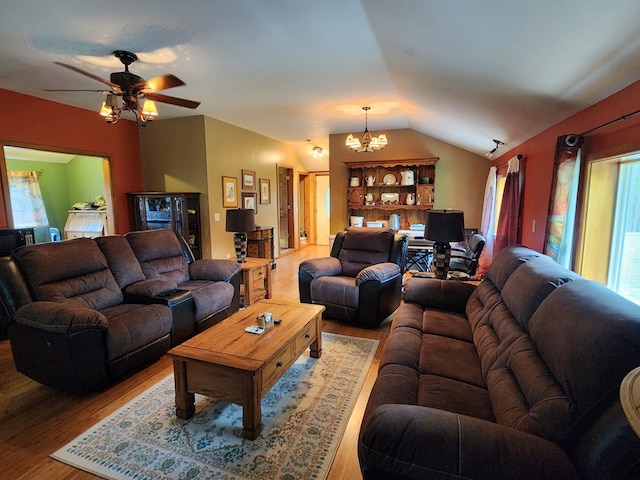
(610, 235)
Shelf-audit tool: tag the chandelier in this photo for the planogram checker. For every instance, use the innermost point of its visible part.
(368, 143)
(111, 110)
(315, 151)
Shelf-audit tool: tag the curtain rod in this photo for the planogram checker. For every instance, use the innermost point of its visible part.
(619, 119)
(520, 157)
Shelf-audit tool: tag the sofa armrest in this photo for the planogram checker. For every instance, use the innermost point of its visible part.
(380, 272)
(149, 288)
(320, 267)
(59, 317)
(213, 269)
(420, 442)
(448, 295)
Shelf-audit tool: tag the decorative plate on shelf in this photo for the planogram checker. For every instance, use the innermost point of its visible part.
(389, 179)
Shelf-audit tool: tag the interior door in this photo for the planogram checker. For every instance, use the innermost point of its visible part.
(285, 208)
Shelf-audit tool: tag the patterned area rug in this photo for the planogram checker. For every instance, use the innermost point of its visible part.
(304, 416)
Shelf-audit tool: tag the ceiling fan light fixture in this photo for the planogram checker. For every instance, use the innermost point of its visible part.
(149, 110)
(369, 143)
(317, 152)
(127, 88)
(110, 109)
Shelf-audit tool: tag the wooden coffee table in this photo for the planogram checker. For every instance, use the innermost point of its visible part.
(226, 363)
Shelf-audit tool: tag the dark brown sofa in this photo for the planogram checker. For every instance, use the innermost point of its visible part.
(81, 313)
(517, 378)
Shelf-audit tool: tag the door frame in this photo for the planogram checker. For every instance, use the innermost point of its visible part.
(293, 241)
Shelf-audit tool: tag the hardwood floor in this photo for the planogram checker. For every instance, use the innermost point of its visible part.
(36, 420)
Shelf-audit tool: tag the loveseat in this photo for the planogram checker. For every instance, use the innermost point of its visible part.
(515, 378)
(82, 313)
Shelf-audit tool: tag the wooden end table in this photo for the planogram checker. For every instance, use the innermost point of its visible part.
(256, 279)
(227, 363)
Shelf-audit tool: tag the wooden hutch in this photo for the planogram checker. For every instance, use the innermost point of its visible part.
(386, 195)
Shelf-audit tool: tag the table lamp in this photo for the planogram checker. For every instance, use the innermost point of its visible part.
(443, 226)
(240, 221)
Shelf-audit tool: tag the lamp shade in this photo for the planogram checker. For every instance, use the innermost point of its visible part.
(444, 226)
(241, 220)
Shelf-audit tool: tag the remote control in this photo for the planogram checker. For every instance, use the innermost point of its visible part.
(254, 329)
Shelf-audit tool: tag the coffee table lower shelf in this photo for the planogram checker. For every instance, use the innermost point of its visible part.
(226, 363)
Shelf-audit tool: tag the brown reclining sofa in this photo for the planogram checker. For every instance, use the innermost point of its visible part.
(84, 312)
(516, 378)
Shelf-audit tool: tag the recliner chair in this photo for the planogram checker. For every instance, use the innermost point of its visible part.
(467, 260)
(361, 282)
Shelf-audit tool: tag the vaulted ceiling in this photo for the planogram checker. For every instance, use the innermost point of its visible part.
(462, 71)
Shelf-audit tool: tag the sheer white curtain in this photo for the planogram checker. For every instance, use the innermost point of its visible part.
(27, 205)
(488, 213)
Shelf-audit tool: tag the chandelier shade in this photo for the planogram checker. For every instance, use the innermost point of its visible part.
(368, 143)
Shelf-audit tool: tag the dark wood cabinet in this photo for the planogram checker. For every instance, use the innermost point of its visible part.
(179, 211)
(260, 244)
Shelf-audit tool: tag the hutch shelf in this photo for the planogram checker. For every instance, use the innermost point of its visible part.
(377, 189)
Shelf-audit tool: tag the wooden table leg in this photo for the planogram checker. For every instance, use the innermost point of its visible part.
(251, 407)
(268, 282)
(185, 401)
(316, 346)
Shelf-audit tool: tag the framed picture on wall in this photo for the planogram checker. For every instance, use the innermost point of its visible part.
(248, 180)
(265, 191)
(229, 192)
(249, 201)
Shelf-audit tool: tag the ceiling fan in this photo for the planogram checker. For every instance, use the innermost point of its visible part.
(131, 88)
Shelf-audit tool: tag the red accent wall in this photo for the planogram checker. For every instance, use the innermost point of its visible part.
(540, 150)
(38, 122)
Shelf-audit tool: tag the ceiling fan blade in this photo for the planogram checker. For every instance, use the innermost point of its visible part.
(77, 90)
(164, 82)
(181, 102)
(90, 75)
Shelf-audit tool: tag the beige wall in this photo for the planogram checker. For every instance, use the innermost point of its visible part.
(192, 154)
(460, 175)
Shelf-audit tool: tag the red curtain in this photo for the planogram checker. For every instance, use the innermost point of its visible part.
(507, 232)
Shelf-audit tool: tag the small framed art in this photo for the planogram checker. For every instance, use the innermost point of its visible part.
(265, 191)
(229, 192)
(249, 201)
(248, 180)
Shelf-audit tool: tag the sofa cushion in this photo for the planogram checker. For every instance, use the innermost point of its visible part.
(208, 297)
(160, 255)
(504, 264)
(121, 259)
(133, 326)
(361, 249)
(55, 273)
(524, 393)
(538, 277)
(588, 360)
(338, 290)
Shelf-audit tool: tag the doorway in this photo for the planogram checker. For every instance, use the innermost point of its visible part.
(323, 209)
(66, 178)
(286, 226)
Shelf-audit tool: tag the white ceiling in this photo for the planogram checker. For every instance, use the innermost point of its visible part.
(463, 71)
